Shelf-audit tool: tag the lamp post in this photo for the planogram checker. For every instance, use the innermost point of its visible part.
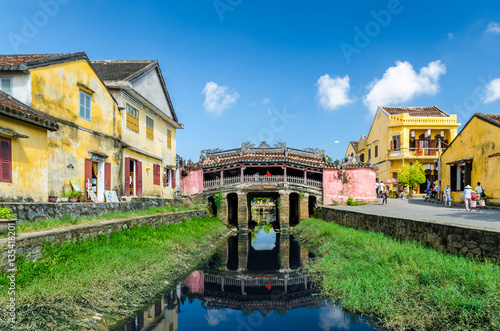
(332, 143)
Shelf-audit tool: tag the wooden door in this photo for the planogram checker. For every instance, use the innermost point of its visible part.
(88, 175)
(127, 176)
(107, 176)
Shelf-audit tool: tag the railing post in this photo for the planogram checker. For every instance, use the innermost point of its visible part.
(222, 177)
(242, 178)
(305, 177)
(284, 175)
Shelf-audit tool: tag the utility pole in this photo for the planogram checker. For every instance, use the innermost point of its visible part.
(439, 169)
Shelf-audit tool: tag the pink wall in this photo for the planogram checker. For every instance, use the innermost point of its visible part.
(195, 282)
(360, 184)
(193, 183)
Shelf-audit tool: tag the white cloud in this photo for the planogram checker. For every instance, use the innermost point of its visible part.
(218, 98)
(493, 27)
(402, 83)
(333, 92)
(333, 318)
(450, 35)
(492, 91)
(266, 100)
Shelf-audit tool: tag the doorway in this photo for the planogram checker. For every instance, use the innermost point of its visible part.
(98, 180)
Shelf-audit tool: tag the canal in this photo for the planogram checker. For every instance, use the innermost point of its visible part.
(254, 281)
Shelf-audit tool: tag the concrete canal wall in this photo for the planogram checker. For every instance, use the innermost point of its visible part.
(39, 211)
(468, 241)
(31, 244)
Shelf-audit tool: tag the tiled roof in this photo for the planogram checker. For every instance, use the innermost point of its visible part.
(28, 61)
(432, 111)
(355, 144)
(14, 108)
(121, 70)
(492, 118)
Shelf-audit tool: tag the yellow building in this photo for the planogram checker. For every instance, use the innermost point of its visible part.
(474, 156)
(149, 126)
(402, 135)
(66, 89)
(352, 148)
(23, 151)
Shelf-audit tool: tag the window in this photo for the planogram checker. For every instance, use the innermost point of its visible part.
(132, 118)
(6, 85)
(369, 154)
(84, 106)
(169, 139)
(156, 174)
(5, 160)
(150, 125)
(396, 143)
(362, 157)
(376, 151)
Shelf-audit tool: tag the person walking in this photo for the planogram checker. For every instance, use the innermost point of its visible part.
(428, 190)
(468, 197)
(376, 187)
(268, 176)
(256, 177)
(384, 195)
(447, 196)
(480, 190)
(381, 188)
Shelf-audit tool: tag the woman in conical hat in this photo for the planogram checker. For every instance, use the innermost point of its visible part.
(468, 197)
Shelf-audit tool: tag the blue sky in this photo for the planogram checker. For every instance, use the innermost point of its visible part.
(304, 73)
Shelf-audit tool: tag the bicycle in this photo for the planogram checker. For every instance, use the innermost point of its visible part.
(477, 202)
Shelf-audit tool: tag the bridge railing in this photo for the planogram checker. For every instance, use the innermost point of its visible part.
(262, 179)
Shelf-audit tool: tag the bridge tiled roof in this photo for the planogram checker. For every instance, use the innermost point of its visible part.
(280, 154)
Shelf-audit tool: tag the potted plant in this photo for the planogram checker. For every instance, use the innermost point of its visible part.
(52, 196)
(64, 197)
(74, 196)
(7, 220)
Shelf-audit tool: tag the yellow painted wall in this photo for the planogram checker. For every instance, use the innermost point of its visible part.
(350, 150)
(478, 140)
(148, 188)
(55, 91)
(29, 163)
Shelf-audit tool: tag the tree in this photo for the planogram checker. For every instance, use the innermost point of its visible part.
(412, 175)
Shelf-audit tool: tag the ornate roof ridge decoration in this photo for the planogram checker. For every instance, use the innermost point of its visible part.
(279, 153)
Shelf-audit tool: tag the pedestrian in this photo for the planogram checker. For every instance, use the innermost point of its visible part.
(447, 196)
(428, 190)
(268, 176)
(256, 177)
(376, 187)
(468, 197)
(384, 195)
(381, 189)
(480, 190)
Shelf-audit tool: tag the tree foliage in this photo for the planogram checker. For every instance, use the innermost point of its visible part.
(412, 175)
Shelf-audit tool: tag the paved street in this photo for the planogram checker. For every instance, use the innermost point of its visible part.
(419, 209)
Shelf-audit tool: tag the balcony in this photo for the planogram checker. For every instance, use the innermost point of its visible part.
(407, 120)
(262, 180)
(431, 153)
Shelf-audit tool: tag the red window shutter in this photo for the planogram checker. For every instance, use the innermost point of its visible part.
(88, 174)
(6, 160)
(156, 174)
(138, 177)
(173, 179)
(107, 176)
(127, 176)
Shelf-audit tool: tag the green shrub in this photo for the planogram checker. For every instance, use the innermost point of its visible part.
(6, 213)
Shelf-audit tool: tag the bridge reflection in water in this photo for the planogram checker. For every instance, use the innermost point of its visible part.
(254, 281)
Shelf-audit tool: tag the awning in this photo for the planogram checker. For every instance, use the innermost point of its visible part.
(11, 133)
(493, 155)
(460, 161)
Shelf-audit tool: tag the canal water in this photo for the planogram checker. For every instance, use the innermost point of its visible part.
(254, 281)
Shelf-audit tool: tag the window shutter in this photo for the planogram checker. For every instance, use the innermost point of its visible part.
(6, 160)
(107, 176)
(169, 139)
(173, 179)
(138, 178)
(127, 176)
(165, 177)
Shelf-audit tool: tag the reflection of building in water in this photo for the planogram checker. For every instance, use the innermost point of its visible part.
(254, 278)
(161, 316)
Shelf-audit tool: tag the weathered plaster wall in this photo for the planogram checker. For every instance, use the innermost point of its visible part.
(471, 242)
(193, 183)
(20, 85)
(478, 146)
(55, 91)
(150, 87)
(38, 211)
(31, 245)
(29, 163)
(359, 183)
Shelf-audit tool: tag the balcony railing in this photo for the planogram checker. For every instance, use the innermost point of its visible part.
(405, 119)
(412, 152)
(261, 180)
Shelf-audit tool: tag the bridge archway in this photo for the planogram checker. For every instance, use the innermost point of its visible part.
(312, 205)
(232, 209)
(294, 211)
(270, 208)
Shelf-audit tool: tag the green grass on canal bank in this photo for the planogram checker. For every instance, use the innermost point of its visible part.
(111, 277)
(67, 220)
(403, 284)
